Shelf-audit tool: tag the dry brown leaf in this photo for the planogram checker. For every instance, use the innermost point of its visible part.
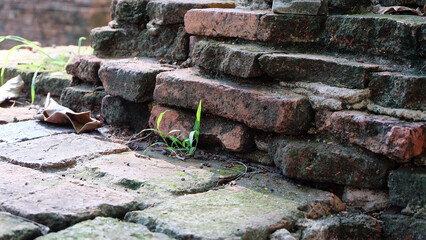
(11, 89)
(396, 9)
(55, 113)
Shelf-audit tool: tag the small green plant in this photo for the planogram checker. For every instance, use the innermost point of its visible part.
(47, 64)
(180, 148)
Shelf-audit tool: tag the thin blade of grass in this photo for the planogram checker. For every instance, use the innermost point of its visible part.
(159, 118)
(33, 86)
(3, 68)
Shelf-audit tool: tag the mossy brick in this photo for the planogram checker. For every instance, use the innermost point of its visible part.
(82, 98)
(408, 186)
(397, 90)
(121, 113)
(237, 60)
(53, 83)
(334, 71)
(375, 34)
(105, 228)
(12, 227)
(130, 11)
(290, 28)
(113, 42)
(267, 108)
(397, 226)
(397, 139)
(214, 131)
(173, 11)
(330, 162)
(132, 80)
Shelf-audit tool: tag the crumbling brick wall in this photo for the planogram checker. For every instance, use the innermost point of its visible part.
(59, 22)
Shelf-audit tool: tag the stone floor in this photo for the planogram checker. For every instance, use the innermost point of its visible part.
(55, 184)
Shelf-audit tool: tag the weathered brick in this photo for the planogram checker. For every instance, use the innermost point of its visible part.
(261, 107)
(329, 70)
(173, 11)
(121, 113)
(307, 7)
(398, 226)
(214, 131)
(396, 90)
(394, 138)
(130, 11)
(53, 83)
(408, 186)
(376, 34)
(290, 28)
(133, 80)
(109, 42)
(85, 68)
(82, 98)
(217, 22)
(237, 60)
(330, 162)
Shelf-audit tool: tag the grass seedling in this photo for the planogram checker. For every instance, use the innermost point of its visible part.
(180, 146)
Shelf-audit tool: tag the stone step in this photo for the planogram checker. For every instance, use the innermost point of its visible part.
(334, 71)
(82, 98)
(258, 25)
(385, 35)
(214, 131)
(172, 12)
(268, 108)
(132, 80)
(330, 162)
(394, 138)
(397, 90)
(237, 60)
(252, 208)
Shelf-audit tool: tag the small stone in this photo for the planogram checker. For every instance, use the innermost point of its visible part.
(304, 7)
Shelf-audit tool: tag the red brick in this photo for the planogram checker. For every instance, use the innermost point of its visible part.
(214, 131)
(85, 68)
(268, 108)
(216, 22)
(394, 138)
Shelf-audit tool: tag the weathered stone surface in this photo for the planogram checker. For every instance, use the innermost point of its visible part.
(29, 130)
(333, 71)
(394, 138)
(375, 34)
(17, 114)
(396, 90)
(53, 83)
(56, 151)
(401, 2)
(130, 11)
(367, 199)
(408, 186)
(105, 228)
(407, 114)
(260, 107)
(349, 6)
(85, 68)
(290, 28)
(109, 42)
(354, 226)
(82, 98)
(12, 227)
(211, 22)
(56, 202)
(166, 42)
(256, 207)
(282, 234)
(403, 227)
(237, 60)
(323, 96)
(133, 80)
(254, 4)
(121, 113)
(173, 11)
(329, 162)
(214, 131)
(304, 7)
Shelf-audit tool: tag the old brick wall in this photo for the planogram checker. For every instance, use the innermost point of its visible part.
(59, 22)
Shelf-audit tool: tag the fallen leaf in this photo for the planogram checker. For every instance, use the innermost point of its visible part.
(56, 113)
(11, 89)
(399, 9)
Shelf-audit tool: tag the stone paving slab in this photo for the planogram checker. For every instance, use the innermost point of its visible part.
(56, 151)
(247, 210)
(15, 114)
(30, 130)
(102, 228)
(12, 227)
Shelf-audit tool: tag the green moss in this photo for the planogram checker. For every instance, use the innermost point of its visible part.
(294, 152)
